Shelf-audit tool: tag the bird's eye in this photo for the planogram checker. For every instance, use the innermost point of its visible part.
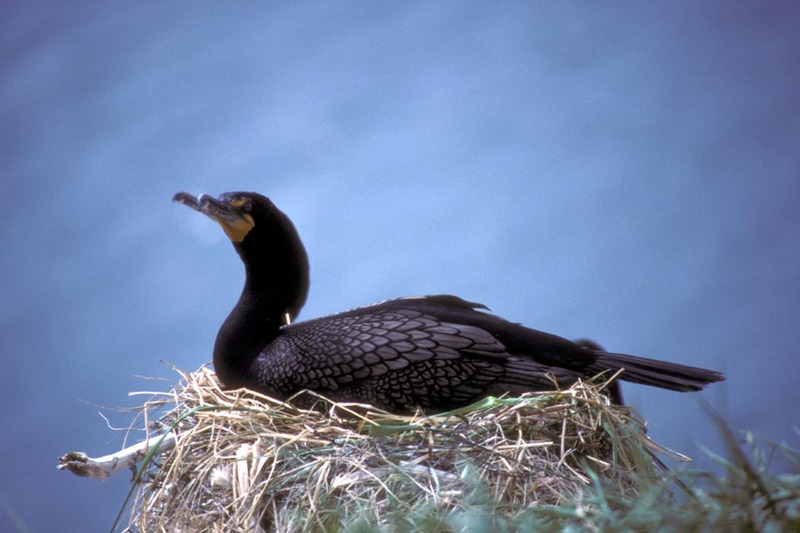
(247, 206)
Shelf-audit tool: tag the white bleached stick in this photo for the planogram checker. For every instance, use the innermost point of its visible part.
(81, 464)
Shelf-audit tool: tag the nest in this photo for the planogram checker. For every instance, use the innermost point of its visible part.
(246, 462)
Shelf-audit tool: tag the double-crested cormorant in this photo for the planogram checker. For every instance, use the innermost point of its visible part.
(431, 352)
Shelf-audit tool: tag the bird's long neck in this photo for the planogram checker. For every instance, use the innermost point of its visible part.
(273, 294)
(250, 326)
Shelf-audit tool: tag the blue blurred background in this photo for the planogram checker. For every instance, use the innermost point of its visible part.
(626, 172)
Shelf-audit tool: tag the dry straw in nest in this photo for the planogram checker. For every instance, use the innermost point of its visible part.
(246, 462)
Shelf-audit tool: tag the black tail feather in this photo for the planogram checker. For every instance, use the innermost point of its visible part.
(672, 376)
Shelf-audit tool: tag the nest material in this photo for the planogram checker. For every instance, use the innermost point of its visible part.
(246, 462)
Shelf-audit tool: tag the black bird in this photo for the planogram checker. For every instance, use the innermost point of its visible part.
(430, 352)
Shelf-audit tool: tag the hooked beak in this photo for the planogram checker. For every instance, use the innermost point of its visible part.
(228, 213)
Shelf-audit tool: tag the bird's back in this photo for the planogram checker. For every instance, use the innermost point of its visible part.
(434, 352)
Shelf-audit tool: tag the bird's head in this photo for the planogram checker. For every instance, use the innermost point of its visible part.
(231, 210)
(265, 239)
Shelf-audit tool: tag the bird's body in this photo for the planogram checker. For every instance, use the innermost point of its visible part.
(432, 352)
